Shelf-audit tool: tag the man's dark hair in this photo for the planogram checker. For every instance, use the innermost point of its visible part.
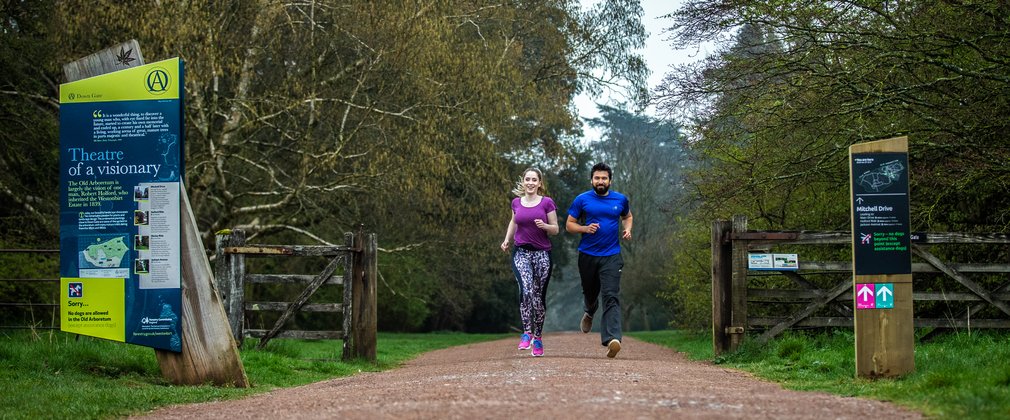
(601, 167)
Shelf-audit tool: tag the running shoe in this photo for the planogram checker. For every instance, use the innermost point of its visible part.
(613, 347)
(524, 342)
(538, 347)
(587, 323)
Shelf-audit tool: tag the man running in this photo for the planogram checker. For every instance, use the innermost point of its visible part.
(602, 212)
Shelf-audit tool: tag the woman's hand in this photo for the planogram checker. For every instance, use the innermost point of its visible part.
(550, 228)
(505, 246)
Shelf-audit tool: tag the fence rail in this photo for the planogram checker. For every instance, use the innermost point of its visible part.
(732, 291)
(51, 306)
(352, 265)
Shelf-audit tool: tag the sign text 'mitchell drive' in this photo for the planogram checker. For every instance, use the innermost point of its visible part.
(874, 208)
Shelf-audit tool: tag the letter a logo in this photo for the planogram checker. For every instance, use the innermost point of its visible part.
(157, 81)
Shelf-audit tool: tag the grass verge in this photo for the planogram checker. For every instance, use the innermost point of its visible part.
(56, 375)
(956, 376)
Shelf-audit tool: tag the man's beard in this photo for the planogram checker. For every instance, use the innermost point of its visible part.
(601, 189)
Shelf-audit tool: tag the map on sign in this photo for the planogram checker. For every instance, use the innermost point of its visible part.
(881, 178)
(104, 252)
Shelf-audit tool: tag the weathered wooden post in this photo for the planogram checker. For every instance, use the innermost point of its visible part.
(881, 258)
(209, 354)
(363, 290)
(722, 278)
(105, 61)
(738, 287)
(230, 273)
(348, 298)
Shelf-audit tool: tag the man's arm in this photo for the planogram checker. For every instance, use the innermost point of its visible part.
(627, 221)
(572, 226)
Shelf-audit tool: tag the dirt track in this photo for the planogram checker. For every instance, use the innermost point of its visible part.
(573, 380)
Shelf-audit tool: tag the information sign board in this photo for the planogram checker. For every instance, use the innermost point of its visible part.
(120, 172)
(880, 213)
(881, 261)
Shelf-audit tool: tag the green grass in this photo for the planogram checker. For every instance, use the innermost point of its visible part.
(956, 376)
(55, 375)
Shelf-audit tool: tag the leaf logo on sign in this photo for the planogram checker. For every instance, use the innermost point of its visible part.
(124, 56)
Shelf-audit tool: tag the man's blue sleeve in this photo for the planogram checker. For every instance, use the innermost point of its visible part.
(575, 210)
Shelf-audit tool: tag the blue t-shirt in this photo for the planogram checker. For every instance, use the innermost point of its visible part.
(606, 210)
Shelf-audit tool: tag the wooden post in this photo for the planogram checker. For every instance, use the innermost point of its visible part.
(721, 285)
(119, 57)
(363, 290)
(884, 338)
(230, 272)
(738, 287)
(209, 354)
(348, 296)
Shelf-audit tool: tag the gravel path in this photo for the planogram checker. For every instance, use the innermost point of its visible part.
(574, 380)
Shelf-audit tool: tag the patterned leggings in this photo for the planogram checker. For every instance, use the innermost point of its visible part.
(533, 271)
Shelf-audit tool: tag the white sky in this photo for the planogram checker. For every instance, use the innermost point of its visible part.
(658, 54)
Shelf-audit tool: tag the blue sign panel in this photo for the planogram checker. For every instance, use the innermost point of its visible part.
(120, 171)
(880, 213)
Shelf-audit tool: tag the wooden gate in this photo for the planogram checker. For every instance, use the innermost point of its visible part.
(822, 290)
(352, 265)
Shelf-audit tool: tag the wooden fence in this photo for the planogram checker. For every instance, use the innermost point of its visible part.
(352, 265)
(831, 298)
(49, 318)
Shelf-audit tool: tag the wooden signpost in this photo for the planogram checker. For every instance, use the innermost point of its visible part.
(881, 258)
(209, 353)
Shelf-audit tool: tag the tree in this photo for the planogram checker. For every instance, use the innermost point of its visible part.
(306, 118)
(831, 74)
(795, 83)
(28, 193)
(649, 160)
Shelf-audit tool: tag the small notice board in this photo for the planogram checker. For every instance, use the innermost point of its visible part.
(775, 262)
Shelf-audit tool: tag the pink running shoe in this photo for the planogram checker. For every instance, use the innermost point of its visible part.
(524, 342)
(538, 347)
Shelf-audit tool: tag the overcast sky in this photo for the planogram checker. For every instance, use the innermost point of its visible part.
(657, 53)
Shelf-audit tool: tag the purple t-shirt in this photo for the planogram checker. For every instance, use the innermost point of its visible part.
(527, 232)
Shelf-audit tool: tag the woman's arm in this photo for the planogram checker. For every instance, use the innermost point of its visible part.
(551, 226)
(509, 233)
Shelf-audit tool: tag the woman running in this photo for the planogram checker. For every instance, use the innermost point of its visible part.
(534, 217)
